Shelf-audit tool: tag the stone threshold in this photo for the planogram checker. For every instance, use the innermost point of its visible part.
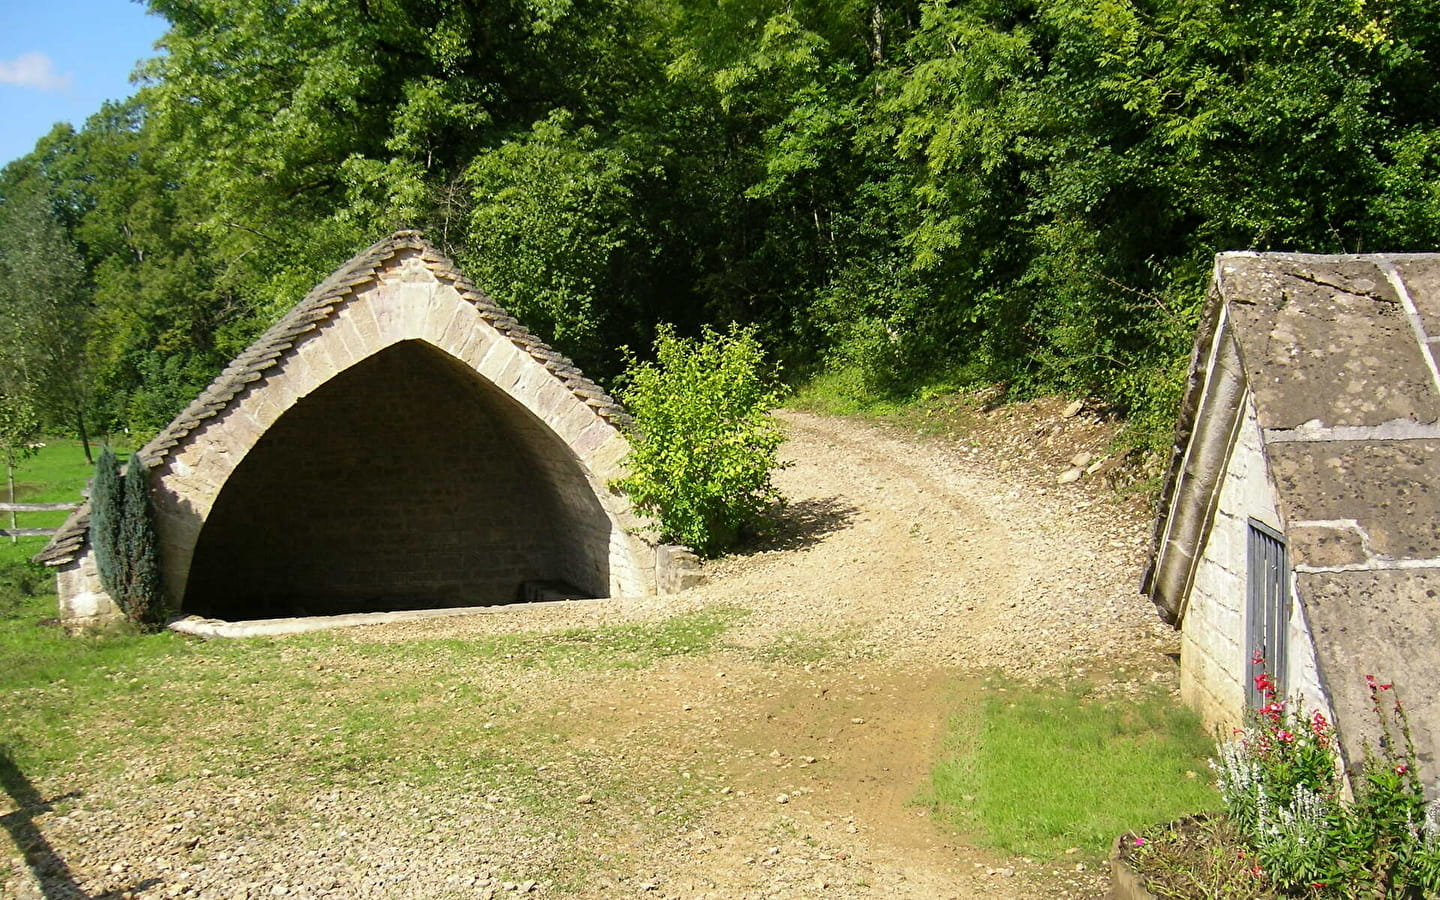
(219, 628)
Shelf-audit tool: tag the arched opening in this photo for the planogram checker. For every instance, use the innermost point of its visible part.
(407, 481)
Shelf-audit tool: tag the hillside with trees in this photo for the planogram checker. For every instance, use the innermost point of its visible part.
(897, 195)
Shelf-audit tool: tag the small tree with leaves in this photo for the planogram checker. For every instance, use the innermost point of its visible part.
(703, 445)
(19, 432)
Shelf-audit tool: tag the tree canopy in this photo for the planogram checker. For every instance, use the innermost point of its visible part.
(900, 193)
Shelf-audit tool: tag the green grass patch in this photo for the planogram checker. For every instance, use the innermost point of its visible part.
(839, 392)
(55, 474)
(1038, 770)
(310, 707)
(631, 646)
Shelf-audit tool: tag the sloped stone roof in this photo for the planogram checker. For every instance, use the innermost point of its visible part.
(1339, 357)
(308, 315)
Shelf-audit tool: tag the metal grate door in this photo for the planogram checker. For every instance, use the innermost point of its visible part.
(1267, 611)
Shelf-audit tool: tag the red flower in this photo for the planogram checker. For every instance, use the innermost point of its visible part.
(1265, 685)
(1284, 736)
(1401, 769)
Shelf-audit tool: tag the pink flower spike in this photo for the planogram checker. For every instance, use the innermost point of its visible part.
(1386, 687)
(1139, 841)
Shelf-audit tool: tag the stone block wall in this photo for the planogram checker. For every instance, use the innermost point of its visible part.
(485, 461)
(1213, 660)
(398, 484)
(83, 600)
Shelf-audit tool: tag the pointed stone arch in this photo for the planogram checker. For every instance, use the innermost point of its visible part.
(399, 317)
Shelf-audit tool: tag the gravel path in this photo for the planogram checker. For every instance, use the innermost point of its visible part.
(783, 765)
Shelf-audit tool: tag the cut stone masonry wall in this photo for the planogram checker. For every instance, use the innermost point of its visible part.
(1213, 663)
(397, 436)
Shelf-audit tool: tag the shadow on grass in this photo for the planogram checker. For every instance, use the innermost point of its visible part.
(51, 872)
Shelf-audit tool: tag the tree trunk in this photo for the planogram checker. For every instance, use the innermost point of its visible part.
(83, 434)
(10, 475)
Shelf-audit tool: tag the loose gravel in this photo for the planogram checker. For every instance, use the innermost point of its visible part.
(783, 763)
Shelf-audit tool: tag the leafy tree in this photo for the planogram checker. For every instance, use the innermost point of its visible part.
(907, 193)
(703, 444)
(19, 436)
(46, 308)
(560, 252)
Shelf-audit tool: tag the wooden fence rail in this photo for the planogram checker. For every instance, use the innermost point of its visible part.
(13, 508)
(38, 507)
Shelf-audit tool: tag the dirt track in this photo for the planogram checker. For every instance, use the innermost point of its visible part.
(785, 765)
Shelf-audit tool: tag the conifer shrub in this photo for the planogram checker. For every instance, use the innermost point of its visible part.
(107, 502)
(703, 445)
(122, 531)
(144, 594)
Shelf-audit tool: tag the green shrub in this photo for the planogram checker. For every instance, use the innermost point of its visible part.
(107, 501)
(703, 446)
(122, 531)
(144, 595)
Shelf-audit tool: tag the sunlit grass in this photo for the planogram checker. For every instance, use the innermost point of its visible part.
(1037, 771)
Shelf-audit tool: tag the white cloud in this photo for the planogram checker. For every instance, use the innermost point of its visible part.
(35, 70)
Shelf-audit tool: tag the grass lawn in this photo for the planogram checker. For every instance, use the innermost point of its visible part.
(56, 474)
(1040, 770)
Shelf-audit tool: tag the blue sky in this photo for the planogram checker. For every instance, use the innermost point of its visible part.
(61, 59)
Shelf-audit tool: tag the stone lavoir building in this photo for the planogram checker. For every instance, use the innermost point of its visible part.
(396, 441)
(1301, 513)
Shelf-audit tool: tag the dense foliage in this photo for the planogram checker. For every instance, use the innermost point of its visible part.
(703, 444)
(901, 193)
(142, 596)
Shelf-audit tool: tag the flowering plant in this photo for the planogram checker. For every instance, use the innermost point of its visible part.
(1280, 780)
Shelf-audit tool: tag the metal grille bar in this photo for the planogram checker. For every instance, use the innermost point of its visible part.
(1267, 613)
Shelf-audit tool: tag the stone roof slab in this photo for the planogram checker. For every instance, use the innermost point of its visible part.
(1327, 342)
(1388, 489)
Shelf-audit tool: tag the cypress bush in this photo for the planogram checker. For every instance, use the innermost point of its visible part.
(127, 546)
(106, 510)
(144, 602)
